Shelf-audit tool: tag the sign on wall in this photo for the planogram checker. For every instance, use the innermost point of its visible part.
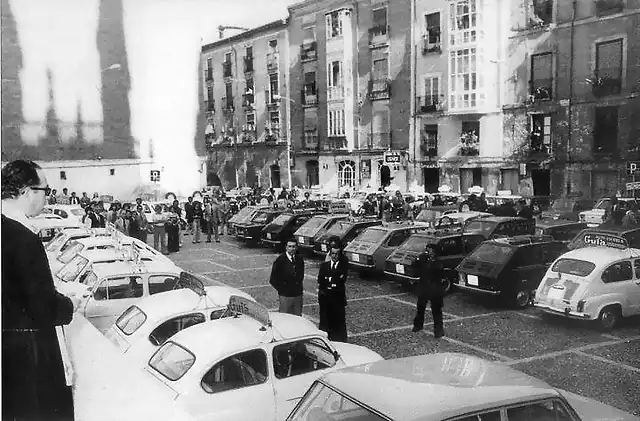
(155, 175)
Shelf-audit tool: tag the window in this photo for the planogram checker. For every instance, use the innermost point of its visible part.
(309, 35)
(63, 175)
(273, 88)
(471, 127)
(334, 73)
(336, 123)
(119, 288)
(273, 45)
(131, 320)
(541, 133)
(574, 267)
(241, 370)
(249, 87)
(347, 174)
(248, 52)
(605, 132)
(333, 22)
(226, 66)
(162, 283)
(210, 102)
(311, 138)
(431, 91)
(172, 326)
(542, 76)
(618, 272)
(397, 238)
(310, 83)
(379, 22)
(430, 140)
(636, 268)
(313, 173)
(542, 12)
(432, 28)
(463, 22)
(227, 58)
(248, 60)
(487, 416)
(301, 357)
(451, 246)
(219, 314)
(609, 66)
(251, 121)
(464, 84)
(228, 89)
(209, 70)
(112, 171)
(540, 411)
(172, 361)
(380, 69)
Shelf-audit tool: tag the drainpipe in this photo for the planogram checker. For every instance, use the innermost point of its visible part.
(412, 95)
(570, 109)
(289, 103)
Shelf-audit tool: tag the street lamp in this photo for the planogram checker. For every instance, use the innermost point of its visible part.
(289, 151)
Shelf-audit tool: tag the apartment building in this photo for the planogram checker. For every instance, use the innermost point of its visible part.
(459, 49)
(245, 111)
(349, 93)
(572, 111)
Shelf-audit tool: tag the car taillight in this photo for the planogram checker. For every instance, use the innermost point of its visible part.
(580, 306)
(463, 277)
(369, 260)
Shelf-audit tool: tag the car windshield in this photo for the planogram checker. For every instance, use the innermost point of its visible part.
(68, 243)
(575, 267)
(602, 204)
(74, 248)
(131, 320)
(315, 222)
(244, 214)
(56, 242)
(172, 361)
(260, 217)
(484, 228)
(323, 403)
(339, 228)
(372, 236)
(282, 219)
(71, 270)
(415, 243)
(492, 253)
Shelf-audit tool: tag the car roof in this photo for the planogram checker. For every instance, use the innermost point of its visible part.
(500, 218)
(397, 226)
(61, 206)
(550, 222)
(610, 229)
(601, 255)
(434, 387)
(240, 332)
(130, 268)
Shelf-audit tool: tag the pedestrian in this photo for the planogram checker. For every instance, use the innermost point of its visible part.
(90, 218)
(53, 197)
(158, 219)
(63, 198)
(35, 383)
(74, 200)
(197, 216)
(212, 216)
(173, 230)
(287, 274)
(332, 298)
(188, 214)
(225, 214)
(119, 221)
(143, 224)
(430, 289)
(84, 200)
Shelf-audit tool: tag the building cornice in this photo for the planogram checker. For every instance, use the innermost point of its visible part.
(274, 26)
(312, 6)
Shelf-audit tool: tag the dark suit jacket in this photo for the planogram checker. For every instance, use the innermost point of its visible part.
(431, 275)
(331, 283)
(287, 277)
(32, 371)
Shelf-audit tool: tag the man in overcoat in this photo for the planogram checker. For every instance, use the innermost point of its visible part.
(332, 298)
(34, 386)
(287, 275)
(430, 289)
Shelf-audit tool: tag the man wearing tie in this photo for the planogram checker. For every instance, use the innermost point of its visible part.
(332, 297)
(287, 274)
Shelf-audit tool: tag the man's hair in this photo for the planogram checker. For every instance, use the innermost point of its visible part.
(17, 175)
(291, 239)
(335, 243)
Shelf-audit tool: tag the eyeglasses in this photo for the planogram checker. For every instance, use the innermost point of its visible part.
(46, 190)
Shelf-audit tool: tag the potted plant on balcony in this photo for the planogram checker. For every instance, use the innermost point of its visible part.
(229, 136)
(429, 150)
(469, 143)
(270, 135)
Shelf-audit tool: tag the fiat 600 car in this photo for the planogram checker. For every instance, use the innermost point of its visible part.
(314, 227)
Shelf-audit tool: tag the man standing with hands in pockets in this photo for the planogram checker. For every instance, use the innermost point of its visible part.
(332, 297)
(287, 275)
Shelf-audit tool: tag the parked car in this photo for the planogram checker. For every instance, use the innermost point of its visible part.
(251, 231)
(602, 210)
(284, 225)
(593, 237)
(71, 212)
(559, 229)
(596, 283)
(403, 266)
(442, 387)
(345, 230)
(370, 249)
(47, 229)
(509, 268)
(244, 215)
(315, 227)
(568, 209)
(500, 226)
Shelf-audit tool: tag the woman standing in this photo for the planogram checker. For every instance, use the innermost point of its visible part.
(173, 231)
(159, 233)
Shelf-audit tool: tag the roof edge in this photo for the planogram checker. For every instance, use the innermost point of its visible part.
(278, 24)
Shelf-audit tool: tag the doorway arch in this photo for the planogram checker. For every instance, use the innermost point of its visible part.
(274, 172)
(213, 179)
(313, 172)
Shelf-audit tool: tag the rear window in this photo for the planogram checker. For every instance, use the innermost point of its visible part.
(372, 236)
(74, 248)
(131, 320)
(339, 228)
(415, 243)
(573, 267)
(484, 228)
(57, 241)
(71, 270)
(282, 219)
(492, 253)
(602, 204)
(77, 212)
(261, 217)
(172, 361)
(314, 223)
(64, 247)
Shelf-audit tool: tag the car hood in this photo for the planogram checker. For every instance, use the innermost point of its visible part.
(355, 354)
(591, 410)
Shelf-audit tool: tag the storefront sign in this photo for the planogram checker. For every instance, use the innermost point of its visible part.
(392, 158)
(249, 308)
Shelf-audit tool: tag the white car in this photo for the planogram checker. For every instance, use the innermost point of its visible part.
(149, 323)
(48, 229)
(597, 215)
(593, 283)
(62, 240)
(69, 212)
(249, 368)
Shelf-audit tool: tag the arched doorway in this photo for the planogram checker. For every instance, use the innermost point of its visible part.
(274, 172)
(347, 174)
(250, 175)
(313, 173)
(213, 179)
(385, 175)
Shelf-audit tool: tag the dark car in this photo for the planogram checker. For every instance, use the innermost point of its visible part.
(403, 266)
(251, 231)
(284, 225)
(509, 268)
(588, 237)
(314, 228)
(346, 230)
(559, 229)
(568, 209)
(244, 215)
(500, 226)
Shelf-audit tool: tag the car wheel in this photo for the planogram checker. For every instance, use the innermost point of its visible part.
(609, 318)
(522, 299)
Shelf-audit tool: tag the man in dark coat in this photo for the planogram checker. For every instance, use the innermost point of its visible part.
(33, 373)
(287, 275)
(188, 213)
(332, 297)
(431, 289)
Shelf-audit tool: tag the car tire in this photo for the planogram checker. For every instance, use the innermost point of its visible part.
(522, 298)
(609, 318)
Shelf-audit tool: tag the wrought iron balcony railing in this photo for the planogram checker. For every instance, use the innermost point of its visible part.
(226, 69)
(379, 89)
(541, 89)
(309, 51)
(248, 64)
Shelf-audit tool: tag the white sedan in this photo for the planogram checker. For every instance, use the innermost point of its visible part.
(249, 368)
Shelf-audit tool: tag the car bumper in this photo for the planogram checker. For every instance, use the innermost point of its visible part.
(395, 276)
(567, 312)
(270, 242)
(477, 289)
(361, 265)
(244, 237)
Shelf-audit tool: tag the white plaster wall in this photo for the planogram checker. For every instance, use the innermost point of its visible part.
(492, 135)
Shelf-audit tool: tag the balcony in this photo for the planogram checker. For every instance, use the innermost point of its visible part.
(607, 7)
(429, 149)
(379, 35)
(208, 75)
(541, 90)
(226, 69)
(249, 133)
(309, 51)
(227, 105)
(308, 97)
(248, 64)
(429, 104)
(431, 42)
(271, 102)
(272, 134)
(228, 136)
(335, 93)
(606, 85)
(333, 143)
(248, 102)
(537, 148)
(379, 89)
(469, 144)
(378, 140)
(272, 62)
(310, 139)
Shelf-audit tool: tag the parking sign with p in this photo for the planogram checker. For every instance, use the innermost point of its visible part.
(633, 168)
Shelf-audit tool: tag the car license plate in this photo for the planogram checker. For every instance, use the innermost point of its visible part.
(301, 240)
(400, 269)
(472, 280)
(556, 293)
(269, 236)
(355, 257)
(323, 247)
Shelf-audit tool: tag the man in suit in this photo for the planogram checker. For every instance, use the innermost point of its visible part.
(332, 297)
(33, 371)
(212, 215)
(287, 275)
(431, 289)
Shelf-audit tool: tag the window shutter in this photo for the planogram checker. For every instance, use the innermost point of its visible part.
(328, 25)
(340, 76)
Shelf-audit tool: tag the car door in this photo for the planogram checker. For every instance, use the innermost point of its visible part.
(296, 365)
(527, 267)
(239, 387)
(621, 285)
(110, 298)
(387, 247)
(634, 291)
